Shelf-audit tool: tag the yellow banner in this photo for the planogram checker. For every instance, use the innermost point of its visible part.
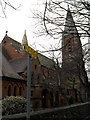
(31, 51)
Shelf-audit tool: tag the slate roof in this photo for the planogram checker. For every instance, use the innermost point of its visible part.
(6, 53)
(70, 28)
(6, 69)
(70, 24)
(19, 65)
(45, 61)
(15, 43)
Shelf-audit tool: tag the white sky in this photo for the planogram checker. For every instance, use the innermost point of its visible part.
(17, 21)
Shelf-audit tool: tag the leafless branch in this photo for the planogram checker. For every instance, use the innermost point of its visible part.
(4, 4)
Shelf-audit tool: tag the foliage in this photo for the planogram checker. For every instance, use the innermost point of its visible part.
(13, 105)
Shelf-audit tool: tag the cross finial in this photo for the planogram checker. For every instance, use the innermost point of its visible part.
(6, 32)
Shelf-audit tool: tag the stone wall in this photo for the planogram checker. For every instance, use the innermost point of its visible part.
(72, 112)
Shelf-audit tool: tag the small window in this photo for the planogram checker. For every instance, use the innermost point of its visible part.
(38, 77)
(67, 91)
(31, 93)
(4, 42)
(32, 76)
(69, 44)
(15, 91)
(35, 67)
(9, 90)
(70, 50)
(24, 47)
(20, 91)
(48, 73)
(69, 47)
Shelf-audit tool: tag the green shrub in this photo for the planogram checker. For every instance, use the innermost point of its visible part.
(13, 105)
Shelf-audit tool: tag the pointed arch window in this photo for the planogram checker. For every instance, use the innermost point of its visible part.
(69, 47)
(32, 78)
(5, 42)
(9, 90)
(15, 91)
(38, 79)
(20, 91)
(35, 67)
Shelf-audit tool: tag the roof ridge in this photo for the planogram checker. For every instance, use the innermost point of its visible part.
(45, 56)
(16, 44)
(46, 61)
(70, 26)
(13, 39)
(9, 72)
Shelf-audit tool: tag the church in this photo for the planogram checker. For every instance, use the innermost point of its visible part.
(45, 90)
(74, 76)
(44, 87)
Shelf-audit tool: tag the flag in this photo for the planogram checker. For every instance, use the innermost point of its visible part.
(31, 51)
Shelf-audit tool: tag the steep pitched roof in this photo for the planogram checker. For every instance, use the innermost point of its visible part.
(15, 43)
(19, 65)
(45, 61)
(24, 40)
(70, 28)
(5, 68)
(70, 24)
(6, 53)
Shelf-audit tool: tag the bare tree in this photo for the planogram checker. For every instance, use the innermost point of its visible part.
(53, 22)
(52, 19)
(54, 16)
(4, 4)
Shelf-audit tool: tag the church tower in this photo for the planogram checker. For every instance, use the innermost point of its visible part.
(70, 40)
(23, 44)
(73, 70)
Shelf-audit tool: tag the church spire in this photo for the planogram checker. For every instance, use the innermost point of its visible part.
(69, 23)
(24, 41)
(70, 37)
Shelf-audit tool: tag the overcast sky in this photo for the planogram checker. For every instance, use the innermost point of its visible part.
(17, 21)
(21, 19)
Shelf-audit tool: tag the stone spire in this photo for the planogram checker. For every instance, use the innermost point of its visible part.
(70, 39)
(72, 58)
(69, 23)
(70, 28)
(24, 41)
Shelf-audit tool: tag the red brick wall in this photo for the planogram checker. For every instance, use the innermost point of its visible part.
(10, 48)
(50, 74)
(65, 52)
(36, 72)
(6, 82)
